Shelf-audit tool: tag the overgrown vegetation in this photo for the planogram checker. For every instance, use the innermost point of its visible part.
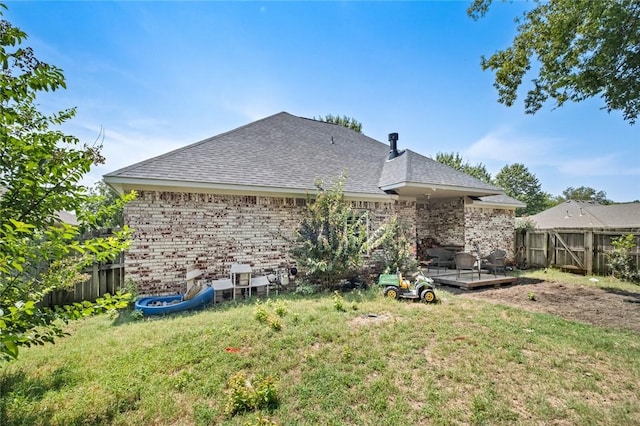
(460, 362)
(331, 239)
(570, 51)
(102, 208)
(620, 259)
(40, 173)
(393, 248)
(244, 394)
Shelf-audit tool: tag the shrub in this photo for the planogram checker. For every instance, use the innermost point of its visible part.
(281, 308)
(275, 324)
(331, 239)
(305, 288)
(270, 313)
(261, 314)
(394, 250)
(620, 259)
(246, 395)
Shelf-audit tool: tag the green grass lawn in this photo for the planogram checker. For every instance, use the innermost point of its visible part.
(377, 362)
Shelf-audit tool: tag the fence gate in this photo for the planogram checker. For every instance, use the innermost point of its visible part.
(578, 250)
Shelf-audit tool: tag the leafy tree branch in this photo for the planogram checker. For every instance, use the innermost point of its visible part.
(579, 48)
(41, 169)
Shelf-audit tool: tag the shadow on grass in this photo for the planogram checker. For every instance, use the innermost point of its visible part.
(21, 397)
(20, 392)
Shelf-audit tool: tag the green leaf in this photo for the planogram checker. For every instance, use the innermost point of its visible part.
(9, 347)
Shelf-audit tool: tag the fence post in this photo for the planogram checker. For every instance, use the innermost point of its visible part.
(528, 253)
(547, 243)
(588, 251)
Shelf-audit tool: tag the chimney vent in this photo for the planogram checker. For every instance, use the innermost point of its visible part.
(393, 145)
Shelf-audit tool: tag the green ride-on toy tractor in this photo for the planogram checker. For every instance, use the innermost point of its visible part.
(396, 287)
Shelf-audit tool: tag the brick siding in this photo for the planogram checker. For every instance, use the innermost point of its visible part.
(174, 230)
(452, 224)
(212, 231)
(442, 223)
(490, 228)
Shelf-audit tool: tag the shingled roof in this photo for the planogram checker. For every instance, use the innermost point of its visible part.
(288, 153)
(589, 214)
(411, 167)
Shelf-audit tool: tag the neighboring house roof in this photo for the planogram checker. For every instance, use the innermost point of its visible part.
(68, 218)
(588, 214)
(285, 153)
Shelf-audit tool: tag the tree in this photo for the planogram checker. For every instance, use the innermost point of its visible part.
(581, 48)
(454, 160)
(40, 173)
(331, 238)
(585, 193)
(348, 122)
(519, 183)
(620, 258)
(103, 207)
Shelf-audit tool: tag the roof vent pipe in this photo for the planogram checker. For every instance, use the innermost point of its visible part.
(393, 144)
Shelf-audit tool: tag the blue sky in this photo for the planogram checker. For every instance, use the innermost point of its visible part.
(160, 75)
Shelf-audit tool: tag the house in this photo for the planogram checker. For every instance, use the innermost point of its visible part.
(576, 235)
(237, 197)
(574, 214)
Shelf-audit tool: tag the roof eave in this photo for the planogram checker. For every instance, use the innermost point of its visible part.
(126, 184)
(494, 204)
(431, 189)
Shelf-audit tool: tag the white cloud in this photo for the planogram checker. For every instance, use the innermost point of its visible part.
(509, 147)
(601, 165)
(126, 146)
(256, 101)
(505, 146)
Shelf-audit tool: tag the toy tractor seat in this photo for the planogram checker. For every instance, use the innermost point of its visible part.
(402, 283)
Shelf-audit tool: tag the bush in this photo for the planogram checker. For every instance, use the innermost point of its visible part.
(305, 288)
(246, 395)
(620, 259)
(331, 239)
(394, 250)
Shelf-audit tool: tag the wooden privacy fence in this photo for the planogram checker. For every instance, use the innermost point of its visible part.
(107, 277)
(580, 250)
(104, 278)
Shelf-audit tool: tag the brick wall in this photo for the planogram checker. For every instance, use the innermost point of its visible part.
(450, 223)
(442, 222)
(490, 228)
(174, 230)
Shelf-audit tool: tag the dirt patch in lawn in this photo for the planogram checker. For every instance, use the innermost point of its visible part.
(592, 305)
(371, 318)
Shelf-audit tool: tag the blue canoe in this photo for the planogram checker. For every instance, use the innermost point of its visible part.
(160, 305)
